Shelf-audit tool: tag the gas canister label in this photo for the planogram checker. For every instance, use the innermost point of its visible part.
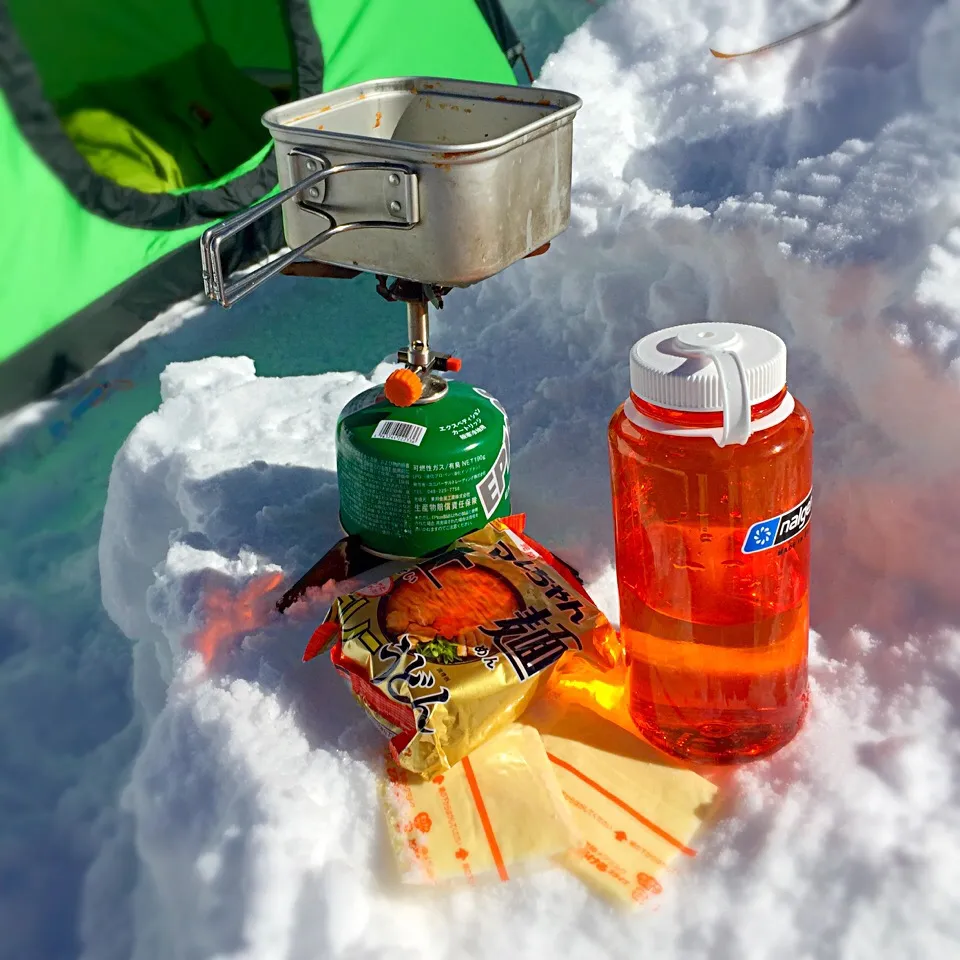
(493, 486)
(400, 430)
(366, 398)
(776, 531)
(493, 400)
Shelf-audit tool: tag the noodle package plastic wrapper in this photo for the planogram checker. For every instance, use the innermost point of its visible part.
(444, 655)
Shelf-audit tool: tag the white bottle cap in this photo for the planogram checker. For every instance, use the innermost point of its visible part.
(710, 368)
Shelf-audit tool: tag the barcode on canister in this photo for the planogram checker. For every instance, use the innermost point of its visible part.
(400, 430)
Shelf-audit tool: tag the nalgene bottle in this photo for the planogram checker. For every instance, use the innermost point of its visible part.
(711, 463)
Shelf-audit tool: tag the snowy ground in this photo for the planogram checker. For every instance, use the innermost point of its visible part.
(813, 190)
(68, 725)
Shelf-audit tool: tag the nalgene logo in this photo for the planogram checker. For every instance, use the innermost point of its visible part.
(494, 485)
(778, 530)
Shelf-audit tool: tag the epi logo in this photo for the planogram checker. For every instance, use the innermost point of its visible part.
(778, 530)
(492, 488)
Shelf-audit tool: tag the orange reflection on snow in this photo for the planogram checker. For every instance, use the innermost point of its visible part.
(578, 681)
(227, 615)
(603, 691)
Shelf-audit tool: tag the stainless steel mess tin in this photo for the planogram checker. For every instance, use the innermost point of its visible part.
(446, 182)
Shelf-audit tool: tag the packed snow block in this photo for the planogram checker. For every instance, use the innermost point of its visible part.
(253, 798)
(225, 465)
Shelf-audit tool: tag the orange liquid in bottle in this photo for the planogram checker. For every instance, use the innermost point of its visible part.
(715, 638)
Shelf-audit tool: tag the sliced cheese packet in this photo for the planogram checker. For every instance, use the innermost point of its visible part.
(636, 810)
(497, 812)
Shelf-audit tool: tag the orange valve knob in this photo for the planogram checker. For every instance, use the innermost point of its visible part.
(403, 387)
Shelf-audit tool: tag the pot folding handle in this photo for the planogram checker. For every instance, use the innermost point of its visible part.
(403, 209)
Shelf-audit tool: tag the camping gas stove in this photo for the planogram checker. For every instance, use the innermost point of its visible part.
(429, 184)
(441, 183)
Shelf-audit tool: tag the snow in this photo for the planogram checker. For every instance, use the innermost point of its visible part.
(69, 725)
(813, 190)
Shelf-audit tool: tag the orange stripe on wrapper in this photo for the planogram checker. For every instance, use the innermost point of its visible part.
(321, 637)
(649, 824)
(516, 522)
(484, 819)
(377, 703)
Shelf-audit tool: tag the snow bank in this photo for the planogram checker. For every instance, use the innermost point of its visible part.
(813, 191)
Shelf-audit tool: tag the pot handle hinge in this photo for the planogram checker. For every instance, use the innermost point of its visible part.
(403, 210)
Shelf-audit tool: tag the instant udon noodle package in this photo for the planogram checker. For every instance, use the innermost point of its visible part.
(445, 654)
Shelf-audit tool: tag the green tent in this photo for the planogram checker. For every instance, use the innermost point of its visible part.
(127, 127)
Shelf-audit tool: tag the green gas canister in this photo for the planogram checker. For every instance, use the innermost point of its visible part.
(414, 478)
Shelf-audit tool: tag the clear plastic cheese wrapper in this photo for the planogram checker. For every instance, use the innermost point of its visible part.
(497, 813)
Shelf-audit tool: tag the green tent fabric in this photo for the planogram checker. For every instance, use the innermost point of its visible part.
(201, 106)
(116, 149)
(90, 90)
